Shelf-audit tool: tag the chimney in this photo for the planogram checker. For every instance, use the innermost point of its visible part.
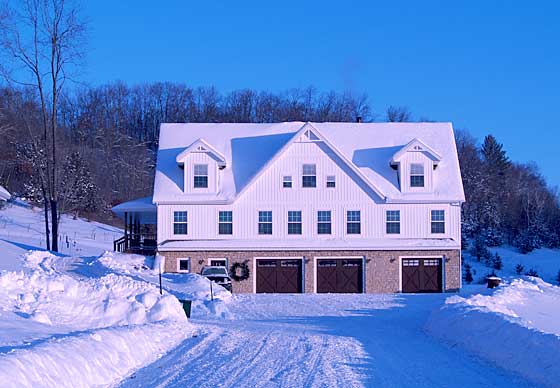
(359, 119)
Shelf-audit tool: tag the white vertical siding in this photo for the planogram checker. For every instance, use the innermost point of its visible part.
(267, 193)
(415, 157)
(200, 158)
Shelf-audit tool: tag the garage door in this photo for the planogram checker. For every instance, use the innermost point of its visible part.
(279, 276)
(340, 275)
(421, 275)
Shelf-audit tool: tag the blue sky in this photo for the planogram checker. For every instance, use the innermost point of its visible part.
(488, 66)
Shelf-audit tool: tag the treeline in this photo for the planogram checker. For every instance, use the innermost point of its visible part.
(108, 138)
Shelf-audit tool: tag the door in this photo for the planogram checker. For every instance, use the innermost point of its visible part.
(279, 276)
(342, 275)
(421, 275)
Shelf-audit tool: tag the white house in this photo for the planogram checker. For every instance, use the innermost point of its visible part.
(312, 207)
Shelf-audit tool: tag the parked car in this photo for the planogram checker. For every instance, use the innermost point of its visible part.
(218, 275)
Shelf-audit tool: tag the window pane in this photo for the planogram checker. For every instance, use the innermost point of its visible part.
(287, 181)
(438, 215)
(324, 216)
(416, 169)
(265, 228)
(183, 264)
(225, 216)
(294, 228)
(324, 228)
(225, 228)
(200, 169)
(438, 227)
(309, 169)
(393, 215)
(294, 216)
(180, 216)
(331, 181)
(180, 228)
(265, 216)
(309, 181)
(417, 181)
(393, 228)
(353, 216)
(353, 228)
(200, 182)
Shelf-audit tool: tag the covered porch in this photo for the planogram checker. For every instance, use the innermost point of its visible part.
(140, 226)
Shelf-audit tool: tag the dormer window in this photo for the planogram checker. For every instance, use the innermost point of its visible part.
(416, 175)
(309, 176)
(200, 176)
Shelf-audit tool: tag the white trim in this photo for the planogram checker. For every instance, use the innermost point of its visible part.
(255, 258)
(441, 257)
(316, 258)
(219, 258)
(407, 147)
(395, 247)
(179, 264)
(180, 158)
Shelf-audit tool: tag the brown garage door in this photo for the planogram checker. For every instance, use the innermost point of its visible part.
(279, 276)
(421, 275)
(339, 275)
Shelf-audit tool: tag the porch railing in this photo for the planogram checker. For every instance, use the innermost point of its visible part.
(144, 243)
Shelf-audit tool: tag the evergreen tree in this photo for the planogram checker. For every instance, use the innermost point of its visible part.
(532, 272)
(558, 278)
(497, 262)
(479, 249)
(519, 269)
(79, 193)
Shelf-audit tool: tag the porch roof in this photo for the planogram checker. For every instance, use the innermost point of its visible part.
(142, 208)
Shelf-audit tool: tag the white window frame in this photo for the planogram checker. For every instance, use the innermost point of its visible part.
(225, 222)
(219, 258)
(330, 222)
(416, 174)
(197, 175)
(293, 222)
(437, 221)
(186, 222)
(331, 179)
(179, 259)
(304, 174)
(259, 222)
(353, 222)
(287, 179)
(393, 222)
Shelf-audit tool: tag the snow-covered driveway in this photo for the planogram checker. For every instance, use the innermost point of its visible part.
(321, 341)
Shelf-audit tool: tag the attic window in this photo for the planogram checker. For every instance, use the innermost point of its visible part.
(309, 176)
(200, 176)
(416, 175)
(331, 181)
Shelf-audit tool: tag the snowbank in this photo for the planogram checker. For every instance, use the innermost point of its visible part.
(517, 327)
(189, 286)
(57, 329)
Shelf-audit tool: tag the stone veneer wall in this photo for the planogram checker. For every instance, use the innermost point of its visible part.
(382, 268)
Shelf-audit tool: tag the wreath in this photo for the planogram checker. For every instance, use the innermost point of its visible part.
(239, 271)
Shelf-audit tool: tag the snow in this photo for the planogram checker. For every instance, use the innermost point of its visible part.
(316, 340)
(22, 229)
(58, 328)
(323, 244)
(143, 208)
(247, 148)
(4, 194)
(515, 326)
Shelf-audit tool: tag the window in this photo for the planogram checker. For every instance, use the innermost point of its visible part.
(225, 222)
(309, 178)
(200, 176)
(331, 181)
(180, 222)
(324, 222)
(393, 221)
(265, 222)
(353, 225)
(217, 262)
(183, 265)
(287, 182)
(416, 175)
(294, 222)
(438, 221)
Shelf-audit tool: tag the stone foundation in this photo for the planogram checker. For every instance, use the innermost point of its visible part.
(382, 268)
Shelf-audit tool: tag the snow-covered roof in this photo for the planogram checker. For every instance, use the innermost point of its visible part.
(143, 208)
(4, 194)
(248, 148)
(301, 244)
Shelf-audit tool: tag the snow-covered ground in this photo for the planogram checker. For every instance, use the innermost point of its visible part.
(88, 317)
(22, 228)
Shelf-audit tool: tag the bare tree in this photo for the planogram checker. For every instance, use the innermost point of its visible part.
(42, 43)
(398, 114)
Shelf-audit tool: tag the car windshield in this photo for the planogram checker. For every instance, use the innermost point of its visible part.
(214, 271)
